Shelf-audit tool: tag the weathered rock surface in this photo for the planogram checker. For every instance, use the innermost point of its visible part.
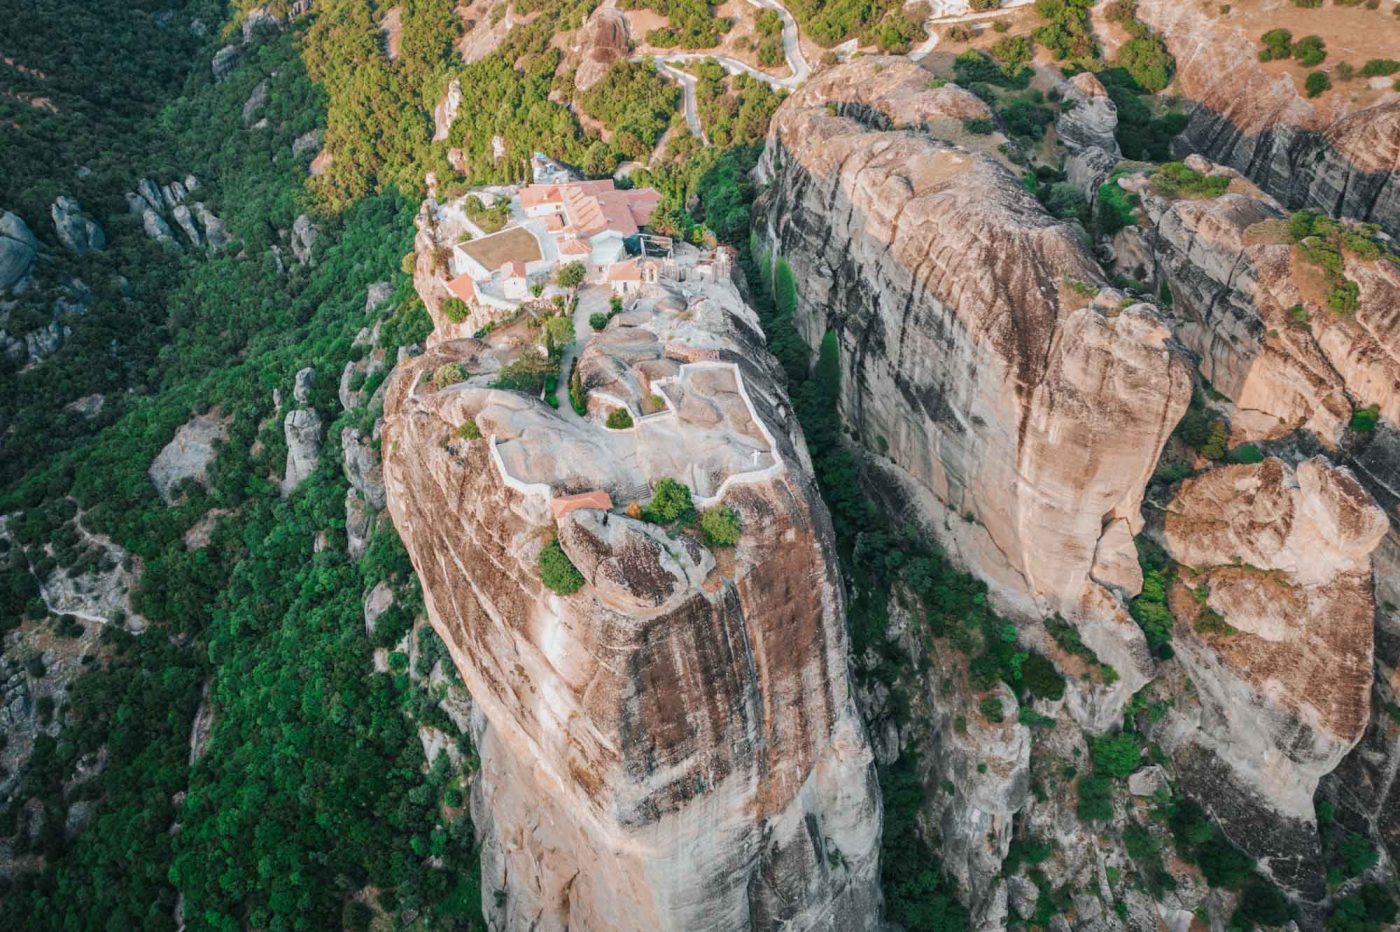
(601, 41)
(304, 234)
(1020, 415)
(224, 61)
(1330, 153)
(188, 454)
(1234, 277)
(78, 232)
(1274, 614)
(1090, 118)
(675, 745)
(256, 101)
(362, 466)
(18, 248)
(445, 113)
(302, 427)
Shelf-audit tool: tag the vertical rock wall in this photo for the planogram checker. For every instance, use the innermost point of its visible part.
(675, 745)
(1022, 404)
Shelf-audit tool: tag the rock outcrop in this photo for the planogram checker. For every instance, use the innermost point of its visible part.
(78, 232)
(1274, 610)
(1088, 116)
(675, 744)
(1020, 404)
(1331, 154)
(159, 206)
(18, 249)
(1236, 280)
(302, 428)
(601, 41)
(188, 455)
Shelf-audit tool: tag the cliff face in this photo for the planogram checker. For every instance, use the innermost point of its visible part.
(675, 745)
(1274, 610)
(1234, 277)
(1330, 154)
(1022, 406)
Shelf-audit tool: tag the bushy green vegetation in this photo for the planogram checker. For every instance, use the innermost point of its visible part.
(1309, 51)
(670, 501)
(619, 419)
(692, 23)
(557, 571)
(721, 526)
(830, 22)
(1317, 83)
(1175, 179)
(1067, 32)
(635, 103)
(734, 110)
(1144, 56)
(1325, 243)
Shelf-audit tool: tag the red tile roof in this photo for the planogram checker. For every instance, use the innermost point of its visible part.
(463, 288)
(561, 505)
(629, 271)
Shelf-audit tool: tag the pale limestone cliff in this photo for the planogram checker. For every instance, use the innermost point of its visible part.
(675, 745)
(1020, 404)
(1234, 278)
(1338, 153)
(1274, 609)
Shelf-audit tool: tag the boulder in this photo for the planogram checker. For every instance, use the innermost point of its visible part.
(302, 428)
(359, 524)
(215, 236)
(77, 232)
(445, 113)
(601, 42)
(18, 249)
(308, 143)
(256, 101)
(43, 342)
(302, 385)
(377, 602)
(188, 455)
(1088, 118)
(184, 219)
(224, 61)
(155, 226)
(304, 234)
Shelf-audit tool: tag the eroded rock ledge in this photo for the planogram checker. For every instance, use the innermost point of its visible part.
(1022, 403)
(675, 745)
(1274, 612)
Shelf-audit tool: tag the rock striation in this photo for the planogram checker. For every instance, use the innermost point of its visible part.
(1235, 280)
(675, 745)
(1274, 617)
(1019, 403)
(601, 41)
(1330, 154)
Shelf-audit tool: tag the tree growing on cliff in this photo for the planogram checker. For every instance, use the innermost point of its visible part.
(670, 501)
(721, 526)
(557, 571)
